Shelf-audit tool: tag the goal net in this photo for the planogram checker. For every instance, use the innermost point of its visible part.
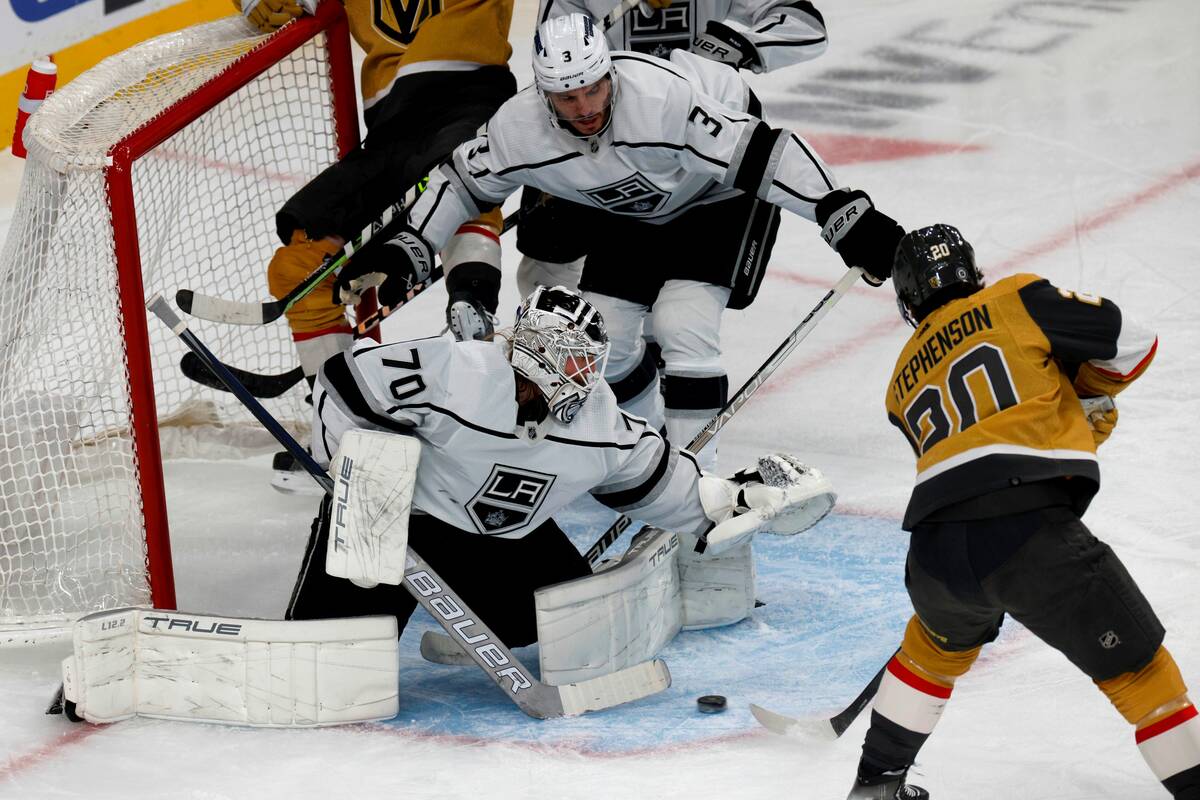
(159, 169)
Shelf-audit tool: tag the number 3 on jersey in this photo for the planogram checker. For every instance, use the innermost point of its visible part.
(938, 411)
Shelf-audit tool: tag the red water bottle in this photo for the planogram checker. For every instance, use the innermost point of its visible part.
(39, 83)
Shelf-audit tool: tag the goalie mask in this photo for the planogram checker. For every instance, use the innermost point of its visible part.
(933, 266)
(560, 344)
(574, 74)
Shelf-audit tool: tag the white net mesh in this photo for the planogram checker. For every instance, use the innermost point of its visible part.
(71, 526)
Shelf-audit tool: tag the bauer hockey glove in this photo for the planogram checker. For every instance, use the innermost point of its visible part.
(1101, 413)
(779, 495)
(271, 15)
(723, 44)
(394, 267)
(861, 235)
(474, 289)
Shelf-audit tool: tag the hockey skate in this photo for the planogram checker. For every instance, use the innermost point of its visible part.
(890, 786)
(289, 477)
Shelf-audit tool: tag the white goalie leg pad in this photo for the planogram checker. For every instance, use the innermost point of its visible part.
(374, 475)
(263, 673)
(717, 589)
(602, 623)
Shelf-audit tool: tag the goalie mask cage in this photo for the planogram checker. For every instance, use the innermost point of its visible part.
(160, 168)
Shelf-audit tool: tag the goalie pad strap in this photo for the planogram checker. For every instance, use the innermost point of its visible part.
(196, 667)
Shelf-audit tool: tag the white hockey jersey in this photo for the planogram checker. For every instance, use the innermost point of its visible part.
(480, 469)
(684, 131)
(783, 32)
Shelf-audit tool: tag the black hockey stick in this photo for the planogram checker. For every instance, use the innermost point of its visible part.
(261, 386)
(535, 698)
(739, 399)
(828, 729)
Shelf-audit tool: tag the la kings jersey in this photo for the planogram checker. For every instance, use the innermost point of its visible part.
(783, 32)
(987, 390)
(683, 132)
(482, 471)
(406, 36)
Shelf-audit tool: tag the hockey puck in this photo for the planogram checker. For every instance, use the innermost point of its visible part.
(711, 703)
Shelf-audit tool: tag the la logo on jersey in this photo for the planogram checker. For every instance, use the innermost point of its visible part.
(633, 195)
(508, 499)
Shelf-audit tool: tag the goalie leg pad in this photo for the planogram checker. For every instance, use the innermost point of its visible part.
(374, 476)
(716, 589)
(602, 623)
(263, 673)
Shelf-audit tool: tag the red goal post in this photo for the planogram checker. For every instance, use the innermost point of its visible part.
(160, 168)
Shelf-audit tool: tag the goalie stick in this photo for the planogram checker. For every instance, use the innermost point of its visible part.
(739, 399)
(535, 698)
(827, 729)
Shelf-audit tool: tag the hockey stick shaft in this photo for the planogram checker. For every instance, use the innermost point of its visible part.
(535, 698)
(760, 376)
(617, 12)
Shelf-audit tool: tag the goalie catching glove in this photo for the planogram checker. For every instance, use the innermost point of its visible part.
(393, 268)
(861, 235)
(779, 495)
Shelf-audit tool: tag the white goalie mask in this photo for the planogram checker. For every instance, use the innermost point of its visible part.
(570, 60)
(560, 344)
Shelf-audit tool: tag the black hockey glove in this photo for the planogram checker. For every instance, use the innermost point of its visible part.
(861, 235)
(722, 43)
(394, 266)
(474, 289)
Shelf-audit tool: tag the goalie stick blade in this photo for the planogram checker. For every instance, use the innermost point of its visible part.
(816, 729)
(438, 648)
(259, 385)
(622, 686)
(216, 309)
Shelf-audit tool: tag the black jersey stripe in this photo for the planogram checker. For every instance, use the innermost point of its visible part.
(756, 158)
(636, 495)
(800, 43)
(1077, 330)
(540, 164)
(816, 162)
(672, 146)
(341, 385)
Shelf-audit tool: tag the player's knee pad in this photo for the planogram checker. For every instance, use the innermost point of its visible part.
(921, 651)
(687, 325)
(291, 264)
(1137, 695)
(623, 319)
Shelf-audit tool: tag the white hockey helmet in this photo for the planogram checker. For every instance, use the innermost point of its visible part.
(560, 344)
(571, 53)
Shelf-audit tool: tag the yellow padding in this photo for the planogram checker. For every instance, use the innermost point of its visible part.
(942, 666)
(1139, 694)
(490, 219)
(292, 264)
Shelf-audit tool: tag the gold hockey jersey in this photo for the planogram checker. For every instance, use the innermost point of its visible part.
(987, 389)
(401, 36)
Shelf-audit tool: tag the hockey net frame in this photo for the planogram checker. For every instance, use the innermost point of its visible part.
(84, 428)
